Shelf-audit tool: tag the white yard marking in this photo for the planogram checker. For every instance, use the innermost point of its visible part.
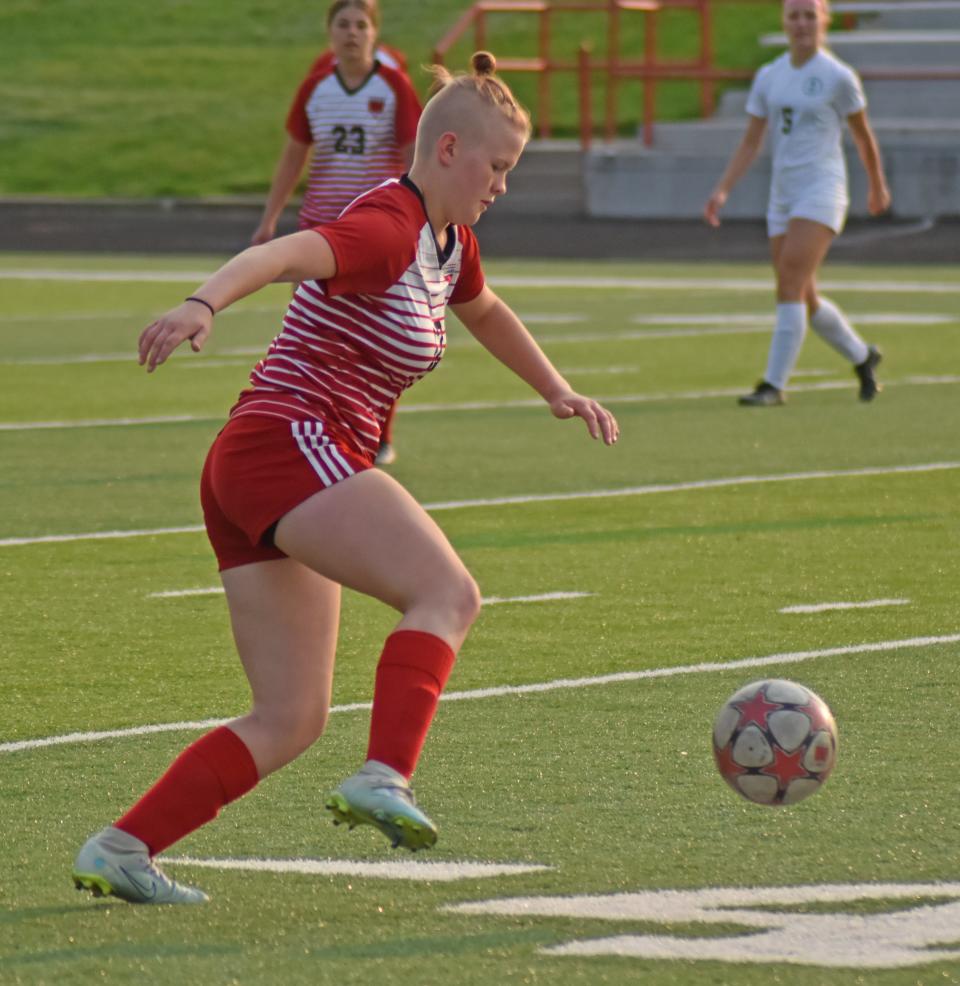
(503, 691)
(551, 318)
(544, 597)
(142, 313)
(532, 402)
(100, 535)
(696, 326)
(699, 484)
(160, 419)
(766, 319)
(426, 872)
(700, 283)
(214, 590)
(911, 934)
(826, 607)
(599, 370)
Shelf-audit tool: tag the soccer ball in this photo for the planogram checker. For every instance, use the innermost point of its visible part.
(775, 742)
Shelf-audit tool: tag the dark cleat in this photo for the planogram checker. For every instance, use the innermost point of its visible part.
(765, 395)
(869, 388)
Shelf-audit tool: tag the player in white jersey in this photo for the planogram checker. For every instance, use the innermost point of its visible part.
(293, 507)
(354, 118)
(804, 98)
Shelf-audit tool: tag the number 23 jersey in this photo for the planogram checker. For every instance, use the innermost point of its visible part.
(805, 109)
(357, 135)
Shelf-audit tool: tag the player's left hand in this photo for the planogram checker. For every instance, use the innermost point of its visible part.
(600, 422)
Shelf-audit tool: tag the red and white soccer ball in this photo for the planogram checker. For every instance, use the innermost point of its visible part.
(775, 742)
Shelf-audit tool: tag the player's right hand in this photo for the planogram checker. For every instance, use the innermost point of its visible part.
(711, 211)
(159, 339)
(264, 233)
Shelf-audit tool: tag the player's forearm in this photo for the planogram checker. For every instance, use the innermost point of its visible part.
(293, 258)
(502, 334)
(285, 179)
(869, 153)
(743, 157)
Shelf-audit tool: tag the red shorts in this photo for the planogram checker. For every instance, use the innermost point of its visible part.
(257, 470)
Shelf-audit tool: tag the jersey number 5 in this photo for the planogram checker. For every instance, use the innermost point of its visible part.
(350, 141)
(786, 119)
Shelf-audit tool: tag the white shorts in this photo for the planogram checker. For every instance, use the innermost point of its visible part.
(823, 201)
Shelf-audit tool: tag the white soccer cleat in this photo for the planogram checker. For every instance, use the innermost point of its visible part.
(115, 862)
(380, 796)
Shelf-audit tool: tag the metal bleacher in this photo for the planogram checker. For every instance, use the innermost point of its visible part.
(908, 53)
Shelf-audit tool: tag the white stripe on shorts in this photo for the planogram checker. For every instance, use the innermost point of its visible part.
(324, 457)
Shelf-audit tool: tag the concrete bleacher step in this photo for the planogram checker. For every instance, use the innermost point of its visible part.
(888, 49)
(902, 14)
(931, 100)
(722, 134)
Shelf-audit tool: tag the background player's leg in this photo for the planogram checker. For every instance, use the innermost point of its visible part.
(387, 454)
(796, 257)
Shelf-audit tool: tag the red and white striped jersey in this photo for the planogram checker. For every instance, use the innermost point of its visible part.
(357, 135)
(350, 345)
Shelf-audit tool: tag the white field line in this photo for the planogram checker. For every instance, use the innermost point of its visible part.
(401, 870)
(503, 691)
(697, 327)
(544, 597)
(766, 319)
(699, 484)
(827, 607)
(530, 402)
(702, 283)
(100, 535)
(596, 371)
(160, 419)
(127, 315)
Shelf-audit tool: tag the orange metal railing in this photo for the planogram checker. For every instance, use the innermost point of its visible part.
(614, 68)
(545, 64)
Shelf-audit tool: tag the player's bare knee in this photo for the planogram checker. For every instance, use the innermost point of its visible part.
(296, 727)
(461, 598)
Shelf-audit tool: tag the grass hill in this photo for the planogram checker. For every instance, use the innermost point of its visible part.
(179, 98)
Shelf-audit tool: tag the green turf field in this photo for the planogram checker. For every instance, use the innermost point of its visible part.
(682, 544)
(109, 97)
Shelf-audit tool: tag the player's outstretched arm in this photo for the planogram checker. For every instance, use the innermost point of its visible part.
(286, 175)
(494, 325)
(744, 156)
(878, 194)
(298, 257)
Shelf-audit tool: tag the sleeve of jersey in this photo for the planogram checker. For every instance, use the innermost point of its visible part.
(298, 126)
(373, 246)
(757, 100)
(850, 97)
(408, 108)
(470, 280)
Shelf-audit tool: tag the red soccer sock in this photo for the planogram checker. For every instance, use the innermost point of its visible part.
(210, 773)
(413, 669)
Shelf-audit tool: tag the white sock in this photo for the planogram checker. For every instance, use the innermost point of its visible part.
(788, 333)
(832, 326)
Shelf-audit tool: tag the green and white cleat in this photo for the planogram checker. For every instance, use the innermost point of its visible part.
(115, 862)
(380, 796)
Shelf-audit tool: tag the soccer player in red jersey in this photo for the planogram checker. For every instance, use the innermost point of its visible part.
(355, 118)
(294, 509)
